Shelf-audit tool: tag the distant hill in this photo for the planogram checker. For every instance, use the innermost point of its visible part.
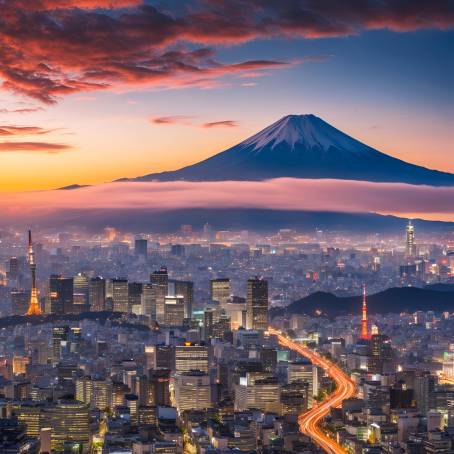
(255, 219)
(404, 299)
(303, 146)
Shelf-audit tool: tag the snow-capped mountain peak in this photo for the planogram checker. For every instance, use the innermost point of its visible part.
(307, 130)
(304, 146)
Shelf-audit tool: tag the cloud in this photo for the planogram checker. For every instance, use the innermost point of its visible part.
(170, 120)
(37, 147)
(278, 194)
(22, 110)
(23, 130)
(53, 48)
(221, 124)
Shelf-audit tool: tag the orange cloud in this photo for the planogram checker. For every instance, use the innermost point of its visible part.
(40, 147)
(221, 124)
(23, 130)
(170, 120)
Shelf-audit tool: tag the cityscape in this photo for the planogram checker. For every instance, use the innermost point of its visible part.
(226, 227)
(203, 354)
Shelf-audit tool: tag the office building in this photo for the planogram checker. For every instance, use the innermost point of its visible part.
(307, 372)
(141, 248)
(174, 311)
(257, 304)
(257, 392)
(97, 294)
(160, 280)
(70, 424)
(60, 336)
(294, 397)
(61, 295)
(19, 301)
(220, 291)
(185, 290)
(148, 301)
(192, 391)
(120, 295)
(80, 293)
(135, 298)
(191, 357)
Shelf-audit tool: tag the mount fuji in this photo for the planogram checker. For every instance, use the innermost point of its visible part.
(304, 146)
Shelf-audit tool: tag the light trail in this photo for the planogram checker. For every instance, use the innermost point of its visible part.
(345, 388)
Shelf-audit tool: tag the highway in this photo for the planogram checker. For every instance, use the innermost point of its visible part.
(345, 388)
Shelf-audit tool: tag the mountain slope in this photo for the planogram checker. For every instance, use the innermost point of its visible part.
(304, 146)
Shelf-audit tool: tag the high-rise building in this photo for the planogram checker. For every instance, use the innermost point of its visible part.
(185, 289)
(120, 295)
(174, 311)
(97, 294)
(20, 300)
(220, 291)
(135, 297)
(257, 304)
(148, 301)
(307, 372)
(61, 295)
(192, 391)
(258, 392)
(80, 293)
(160, 357)
(160, 280)
(425, 391)
(94, 392)
(159, 387)
(59, 335)
(191, 357)
(70, 424)
(141, 247)
(295, 397)
(410, 247)
(34, 307)
(381, 356)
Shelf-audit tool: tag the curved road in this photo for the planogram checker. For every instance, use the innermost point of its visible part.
(345, 388)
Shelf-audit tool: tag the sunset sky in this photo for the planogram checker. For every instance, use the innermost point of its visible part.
(90, 95)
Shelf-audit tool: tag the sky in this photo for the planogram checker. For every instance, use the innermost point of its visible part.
(91, 93)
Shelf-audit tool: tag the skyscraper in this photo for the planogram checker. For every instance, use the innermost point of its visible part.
(220, 290)
(61, 295)
(141, 247)
(59, 334)
(380, 357)
(97, 294)
(120, 295)
(185, 289)
(410, 248)
(33, 308)
(135, 297)
(160, 280)
(148, 300)
(364, 328)
(80, 292)
(257, 304)
(174, 311)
